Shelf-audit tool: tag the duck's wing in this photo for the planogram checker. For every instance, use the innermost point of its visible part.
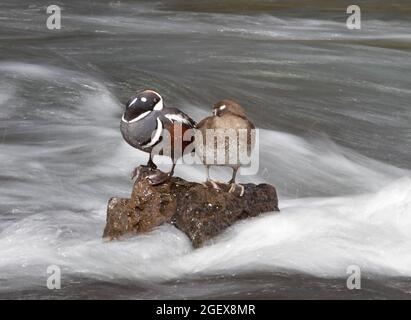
(204, 122)
(176, 115)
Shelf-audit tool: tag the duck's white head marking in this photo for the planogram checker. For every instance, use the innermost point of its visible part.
(141, 116)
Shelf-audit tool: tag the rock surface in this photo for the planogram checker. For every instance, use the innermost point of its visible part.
(201, 212)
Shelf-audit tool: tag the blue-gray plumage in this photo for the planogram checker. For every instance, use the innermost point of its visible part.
(142, 125)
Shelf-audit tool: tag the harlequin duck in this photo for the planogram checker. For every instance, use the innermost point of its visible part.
(142, 125)
(227, 115)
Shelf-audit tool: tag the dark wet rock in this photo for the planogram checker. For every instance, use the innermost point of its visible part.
(201, 212)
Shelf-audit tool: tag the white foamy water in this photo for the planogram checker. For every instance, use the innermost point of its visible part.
(59, 183)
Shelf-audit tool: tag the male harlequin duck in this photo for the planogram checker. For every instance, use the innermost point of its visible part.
(227, 115)
(142, 125)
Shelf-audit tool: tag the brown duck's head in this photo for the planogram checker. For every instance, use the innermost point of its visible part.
(228, 106)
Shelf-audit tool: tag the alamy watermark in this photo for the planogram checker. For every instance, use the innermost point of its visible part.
(354, 19)
(354, 278)
(231, 147)
(54, 19)
(54, 278)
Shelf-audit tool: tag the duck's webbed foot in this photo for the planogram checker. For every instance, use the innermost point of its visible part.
(137, 170)
(212, 183)
(237, 189)
(158, 177)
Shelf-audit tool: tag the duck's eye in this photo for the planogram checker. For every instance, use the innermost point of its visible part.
(144, 99)
(155, 100)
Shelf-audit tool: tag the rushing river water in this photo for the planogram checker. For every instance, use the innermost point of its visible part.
(333, 106)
